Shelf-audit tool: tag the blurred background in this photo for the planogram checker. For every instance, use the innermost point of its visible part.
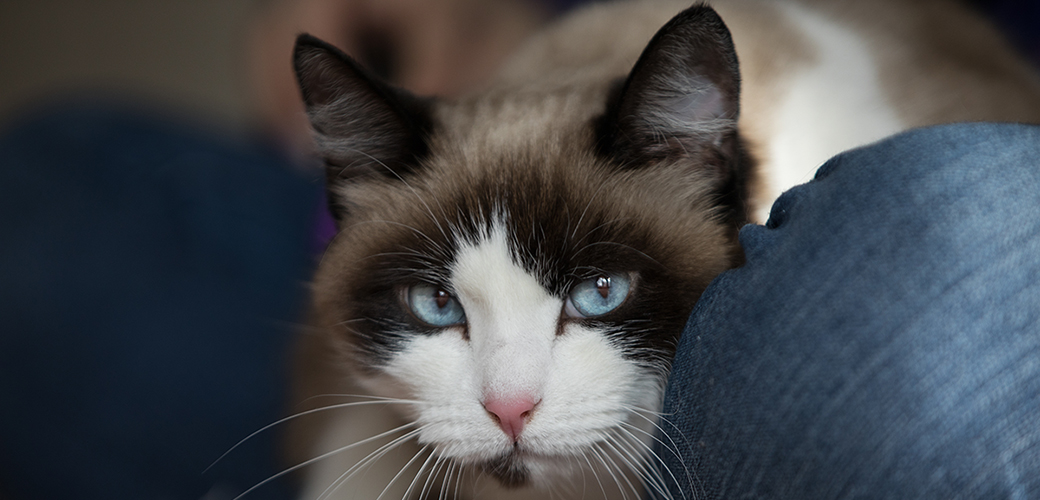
(158, 221)
(189, 55)
(225, 62)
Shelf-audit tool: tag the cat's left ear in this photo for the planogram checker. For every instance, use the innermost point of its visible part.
(365, 128)
(681, 99)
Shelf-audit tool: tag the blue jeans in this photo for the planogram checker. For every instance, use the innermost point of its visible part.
(883, 338)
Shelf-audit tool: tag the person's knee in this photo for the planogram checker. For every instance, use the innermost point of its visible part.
(879, 328)
(983, 160)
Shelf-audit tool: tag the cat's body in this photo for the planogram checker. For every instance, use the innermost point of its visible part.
(514, 268)
(818, 76)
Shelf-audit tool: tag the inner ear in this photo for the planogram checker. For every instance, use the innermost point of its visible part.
(363, 126)
(681, 98)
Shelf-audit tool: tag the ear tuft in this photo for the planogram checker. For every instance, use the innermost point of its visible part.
(363, 126)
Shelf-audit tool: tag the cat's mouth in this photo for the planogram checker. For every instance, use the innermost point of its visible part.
(509, 469)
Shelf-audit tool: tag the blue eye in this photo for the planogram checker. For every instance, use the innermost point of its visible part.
(597, 296)
(434, 306)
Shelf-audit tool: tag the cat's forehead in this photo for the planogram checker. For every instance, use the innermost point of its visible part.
(509, 118)
(562, 221)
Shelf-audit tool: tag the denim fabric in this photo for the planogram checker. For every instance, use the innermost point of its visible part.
(883, 338)
(150, 278)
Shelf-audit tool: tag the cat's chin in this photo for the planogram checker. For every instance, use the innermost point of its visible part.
(511, 469)
(520, 468)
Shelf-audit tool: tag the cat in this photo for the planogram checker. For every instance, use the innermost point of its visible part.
(497, 314)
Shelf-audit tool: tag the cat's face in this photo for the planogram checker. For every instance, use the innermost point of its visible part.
(560, 288)
(520, 265)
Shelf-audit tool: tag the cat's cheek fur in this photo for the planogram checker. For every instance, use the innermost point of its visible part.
(588, 385)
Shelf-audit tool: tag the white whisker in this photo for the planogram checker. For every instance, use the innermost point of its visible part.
(329, 454)
(458, 480)
(436, 248)
(672, 447)
(415, 193)
(586, 209)
(431, 477)
(622, 245)
(301, 414)
(594, 473)
(365, 462)
(584, 483)
(447, 479)
(418, 474)
(607, 223)
(600, 454)
(406, 466)
(648, 473)
(674, 451)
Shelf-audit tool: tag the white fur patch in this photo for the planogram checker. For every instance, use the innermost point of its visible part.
(835, 105)
(512, 320)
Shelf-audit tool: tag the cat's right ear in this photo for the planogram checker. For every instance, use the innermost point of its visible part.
(363, 126)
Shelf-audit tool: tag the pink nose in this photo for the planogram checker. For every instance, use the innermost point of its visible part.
(511, 414)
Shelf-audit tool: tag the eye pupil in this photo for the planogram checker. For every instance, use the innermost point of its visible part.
(597, 296)
(603, 286)
(434, 306)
